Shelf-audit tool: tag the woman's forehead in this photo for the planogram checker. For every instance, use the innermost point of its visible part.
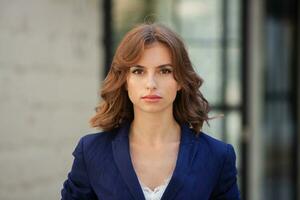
(155, 54)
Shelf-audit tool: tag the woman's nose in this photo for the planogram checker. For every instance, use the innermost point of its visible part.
(151, 82)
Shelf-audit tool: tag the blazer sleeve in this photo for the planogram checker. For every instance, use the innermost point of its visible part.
(77, 186)
(227, 185)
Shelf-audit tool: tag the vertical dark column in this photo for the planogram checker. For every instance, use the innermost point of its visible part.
(107, 34)
(281, 98)
(298, 100)
(224, 62)
(244, 80)
(295, 97)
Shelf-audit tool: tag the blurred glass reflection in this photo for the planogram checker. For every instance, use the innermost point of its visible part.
(211, 30)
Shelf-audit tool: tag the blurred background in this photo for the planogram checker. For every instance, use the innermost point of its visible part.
(54, 55)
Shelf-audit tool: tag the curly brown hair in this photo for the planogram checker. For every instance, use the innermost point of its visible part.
(115, 107)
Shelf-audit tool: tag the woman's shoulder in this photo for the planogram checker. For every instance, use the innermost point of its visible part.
(101, 136)
(220, 160)
(96, 142)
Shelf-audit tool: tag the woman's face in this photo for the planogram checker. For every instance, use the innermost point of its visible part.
(150, 83)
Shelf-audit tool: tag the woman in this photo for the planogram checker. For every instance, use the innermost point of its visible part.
(151, 114)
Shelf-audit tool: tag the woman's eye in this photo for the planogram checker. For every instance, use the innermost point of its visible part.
(166, 71)
(137, 71)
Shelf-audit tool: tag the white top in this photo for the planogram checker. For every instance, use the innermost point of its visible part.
(157, 193)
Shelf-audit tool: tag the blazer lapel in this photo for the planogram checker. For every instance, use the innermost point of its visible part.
(122, 159)
(186, 154)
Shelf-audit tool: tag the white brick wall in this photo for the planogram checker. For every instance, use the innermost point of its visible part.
(50, 59)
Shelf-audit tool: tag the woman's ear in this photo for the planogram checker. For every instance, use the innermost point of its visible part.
(178, 87)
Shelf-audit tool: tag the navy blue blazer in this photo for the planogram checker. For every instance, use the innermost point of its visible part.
(102, 169)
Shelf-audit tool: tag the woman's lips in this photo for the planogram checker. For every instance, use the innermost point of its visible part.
(151, 98)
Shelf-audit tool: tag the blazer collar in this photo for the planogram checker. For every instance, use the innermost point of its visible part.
(186, 154)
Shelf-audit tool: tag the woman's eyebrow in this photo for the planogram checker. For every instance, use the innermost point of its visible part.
(159, 66)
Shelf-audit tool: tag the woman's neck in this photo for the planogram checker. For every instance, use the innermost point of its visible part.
(154, 128)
